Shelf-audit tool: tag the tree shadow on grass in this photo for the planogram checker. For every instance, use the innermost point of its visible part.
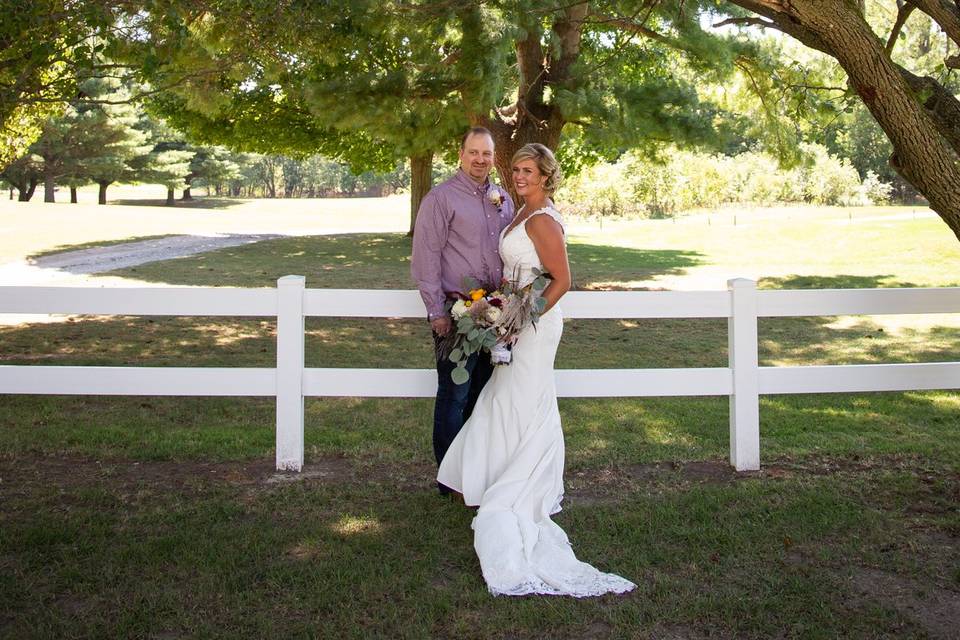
(614, 432)
(852, 339)
(345, 261)
(599, 267)
(96, 244)
(216, 547)
(839, 281)
(198, 202)
(380, 261)
(213, 552)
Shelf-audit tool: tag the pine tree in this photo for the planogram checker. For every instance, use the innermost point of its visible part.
(111, 134)
(168, 163)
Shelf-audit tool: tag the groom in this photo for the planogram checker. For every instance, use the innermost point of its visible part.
(457, 234)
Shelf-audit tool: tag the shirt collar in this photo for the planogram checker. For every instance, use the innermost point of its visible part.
(469, 182)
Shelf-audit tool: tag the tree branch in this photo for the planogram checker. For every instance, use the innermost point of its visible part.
(783, 20)
(941, 105)
(944, 13)
(902, 14)
(757, 22)
(633, 27)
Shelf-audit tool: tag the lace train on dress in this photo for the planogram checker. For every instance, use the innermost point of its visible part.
(509, 457)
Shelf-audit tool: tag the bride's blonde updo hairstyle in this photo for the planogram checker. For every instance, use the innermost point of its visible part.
(546, 162)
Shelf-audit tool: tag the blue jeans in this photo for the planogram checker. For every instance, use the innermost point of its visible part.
(455, 401)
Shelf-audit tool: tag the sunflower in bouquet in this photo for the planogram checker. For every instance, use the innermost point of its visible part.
(491, 320)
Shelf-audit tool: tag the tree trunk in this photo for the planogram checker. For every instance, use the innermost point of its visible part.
(25, 195)
(73, 195)
(509, 137)
(170, 197)
(421, 181)
(920, 155)
(102, 194)
(21, 187)
(49, 187)
(532, 118)
(923, 130)
(186, 194)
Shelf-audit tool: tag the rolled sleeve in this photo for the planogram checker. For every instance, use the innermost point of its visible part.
(429, 238)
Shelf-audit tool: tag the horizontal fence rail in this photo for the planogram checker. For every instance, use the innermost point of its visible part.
(853, 302)
(138, 381)
(140, 301)
(571, 383)
(743, 381)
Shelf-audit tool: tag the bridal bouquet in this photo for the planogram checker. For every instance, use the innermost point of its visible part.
(492, 320)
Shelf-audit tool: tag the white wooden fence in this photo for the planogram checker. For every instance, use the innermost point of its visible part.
(743, 380)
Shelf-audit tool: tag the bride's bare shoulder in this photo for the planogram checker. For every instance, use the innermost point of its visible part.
(543, 225)
(546, 217)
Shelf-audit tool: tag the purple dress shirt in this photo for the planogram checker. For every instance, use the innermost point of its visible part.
(457, 234)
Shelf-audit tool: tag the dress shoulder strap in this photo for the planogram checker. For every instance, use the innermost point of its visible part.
(553, 213)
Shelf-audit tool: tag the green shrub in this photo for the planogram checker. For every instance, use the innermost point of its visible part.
(684, 180)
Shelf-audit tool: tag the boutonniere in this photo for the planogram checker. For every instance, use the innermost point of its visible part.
(495, 197)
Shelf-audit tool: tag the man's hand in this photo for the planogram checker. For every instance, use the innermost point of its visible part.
(442, 325)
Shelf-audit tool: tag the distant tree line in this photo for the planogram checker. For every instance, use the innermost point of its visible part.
(104, 138)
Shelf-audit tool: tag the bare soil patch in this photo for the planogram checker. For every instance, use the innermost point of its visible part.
(594, 486)
(22, 472)
(933, 607)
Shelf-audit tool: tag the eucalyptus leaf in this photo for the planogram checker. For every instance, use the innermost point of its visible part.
(460, 375)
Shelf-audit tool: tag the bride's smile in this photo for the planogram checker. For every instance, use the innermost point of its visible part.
(527, 179)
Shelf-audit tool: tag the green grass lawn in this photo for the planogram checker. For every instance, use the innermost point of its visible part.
(163, 518)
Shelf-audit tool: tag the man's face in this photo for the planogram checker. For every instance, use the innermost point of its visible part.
(476, 157)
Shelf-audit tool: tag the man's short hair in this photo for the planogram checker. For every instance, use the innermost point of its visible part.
(474, 131)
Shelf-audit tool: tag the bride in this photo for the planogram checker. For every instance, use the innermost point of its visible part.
(508, 458)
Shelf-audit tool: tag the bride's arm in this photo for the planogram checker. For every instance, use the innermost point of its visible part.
(547, 236)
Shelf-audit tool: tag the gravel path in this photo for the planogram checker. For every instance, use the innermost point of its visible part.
(80, 268)
(131, 254)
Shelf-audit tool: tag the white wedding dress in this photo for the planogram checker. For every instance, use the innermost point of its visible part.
(508, 459)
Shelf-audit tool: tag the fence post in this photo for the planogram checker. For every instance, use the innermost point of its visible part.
(290, 373)
(745, 396)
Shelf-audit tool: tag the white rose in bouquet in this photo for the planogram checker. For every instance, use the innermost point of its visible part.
(459, 308)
